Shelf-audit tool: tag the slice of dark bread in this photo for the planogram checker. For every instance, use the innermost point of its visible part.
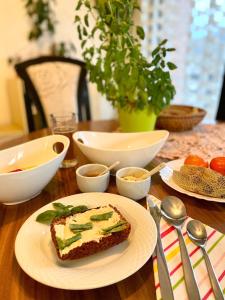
(81, 249)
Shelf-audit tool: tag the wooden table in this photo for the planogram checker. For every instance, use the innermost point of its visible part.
(15, 284)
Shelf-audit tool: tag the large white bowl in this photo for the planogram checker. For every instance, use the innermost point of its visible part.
(39, 163)
(131, 149)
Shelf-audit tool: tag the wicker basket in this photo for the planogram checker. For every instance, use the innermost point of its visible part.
(180, 117)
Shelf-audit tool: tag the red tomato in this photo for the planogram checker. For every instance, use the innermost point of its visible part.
(195, 160)
(218, 164)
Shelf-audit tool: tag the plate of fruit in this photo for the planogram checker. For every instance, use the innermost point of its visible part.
(197, 177)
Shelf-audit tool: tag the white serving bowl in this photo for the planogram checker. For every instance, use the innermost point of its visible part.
(131, 149)
(39, 163)
(135, 190)
(92, 184)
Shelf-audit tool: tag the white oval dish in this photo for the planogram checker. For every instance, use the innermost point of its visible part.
(37, 256)
(40, 163)
(131, 149)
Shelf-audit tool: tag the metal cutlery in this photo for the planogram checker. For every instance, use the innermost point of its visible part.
(173, 210)
(163, 272)
(197, 233)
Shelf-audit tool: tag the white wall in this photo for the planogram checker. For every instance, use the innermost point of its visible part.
(14, 27)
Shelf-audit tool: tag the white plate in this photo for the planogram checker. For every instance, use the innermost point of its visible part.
(166, 175)
(37, 257)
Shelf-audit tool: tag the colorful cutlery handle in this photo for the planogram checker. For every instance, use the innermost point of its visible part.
(190, 282)
(214, 281)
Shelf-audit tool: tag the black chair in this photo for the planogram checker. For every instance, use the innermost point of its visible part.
(45, 78)
(221, 108)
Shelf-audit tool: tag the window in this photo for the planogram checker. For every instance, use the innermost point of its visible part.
(196, 28)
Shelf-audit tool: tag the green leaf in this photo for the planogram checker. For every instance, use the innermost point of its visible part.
(108, 19)
(162, 64)
(47, 216)
(163, 42)
(79, 209)
(155, 51)
(140, 32)
(171, 66)
(58, 205)
(156, 60)
(60, 210)
(142, 82)
(170, 49)
(143, 96)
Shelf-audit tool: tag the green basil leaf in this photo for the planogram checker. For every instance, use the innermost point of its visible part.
(171, 66)
(79, 209)
(155, 51)
(47, 216)
(140, 32)
(58, 205)
(163, 42)
(170, 49)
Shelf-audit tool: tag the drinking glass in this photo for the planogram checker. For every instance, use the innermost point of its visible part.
(65, 124)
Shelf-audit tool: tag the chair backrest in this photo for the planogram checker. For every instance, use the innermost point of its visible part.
(54, 85)
(221, 108)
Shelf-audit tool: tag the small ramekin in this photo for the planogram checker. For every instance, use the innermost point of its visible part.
(92, 184)
(135, 190)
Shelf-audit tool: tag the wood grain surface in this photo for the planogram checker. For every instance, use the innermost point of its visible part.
(15, 284)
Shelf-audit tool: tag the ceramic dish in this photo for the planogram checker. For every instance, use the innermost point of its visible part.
(166, 175)
(127, 187)
(38, 163)
(92, 183)
(36, 254)
(131, 149)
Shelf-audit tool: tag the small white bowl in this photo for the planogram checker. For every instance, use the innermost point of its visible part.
(135, 190)
(39, 163)
(92, 184)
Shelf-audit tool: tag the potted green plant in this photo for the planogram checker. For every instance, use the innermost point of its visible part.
(138, 88)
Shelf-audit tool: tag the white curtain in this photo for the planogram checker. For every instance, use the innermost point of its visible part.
(196, 28)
